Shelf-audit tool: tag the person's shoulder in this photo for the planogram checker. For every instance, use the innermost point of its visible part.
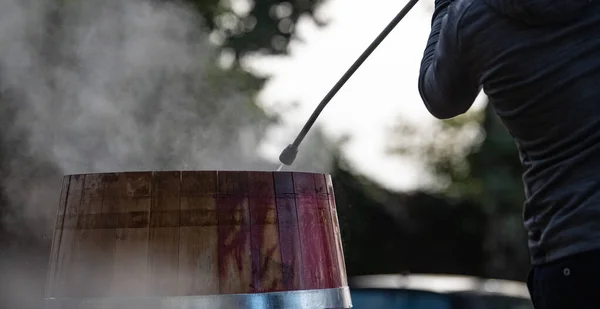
(464, 7)
(460, 16)
(471, 15)
(471, 9)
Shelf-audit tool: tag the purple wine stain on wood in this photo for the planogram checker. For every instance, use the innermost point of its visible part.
(289, 238)
(266, 256)
(312, 238)
(234, 233)
(333, 279)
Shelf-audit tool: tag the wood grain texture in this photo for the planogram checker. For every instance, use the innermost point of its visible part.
(289, 233)
(68, 245)
(312, 239)
(198, 247)
(95, 245)
(267, 270)
(131, 203)
(234, 233)
(163, 247)
(334, 276)
(336, 231)
(51, 277)
(172, 233)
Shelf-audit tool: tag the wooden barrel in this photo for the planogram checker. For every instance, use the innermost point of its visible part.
(197, 239)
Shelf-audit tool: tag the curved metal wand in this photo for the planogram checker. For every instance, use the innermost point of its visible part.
(288, 155)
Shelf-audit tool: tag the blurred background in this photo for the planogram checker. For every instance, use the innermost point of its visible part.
(100, 86)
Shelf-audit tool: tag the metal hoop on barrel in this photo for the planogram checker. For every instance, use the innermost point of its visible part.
(308, 299)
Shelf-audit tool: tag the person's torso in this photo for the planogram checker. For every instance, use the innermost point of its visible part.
(544, 83)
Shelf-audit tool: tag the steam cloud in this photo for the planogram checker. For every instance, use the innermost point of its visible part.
(113, 86)
(100, 86)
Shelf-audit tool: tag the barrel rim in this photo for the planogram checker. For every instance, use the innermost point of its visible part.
(194, 171)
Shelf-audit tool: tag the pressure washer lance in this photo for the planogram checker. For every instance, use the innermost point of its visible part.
(288, 155)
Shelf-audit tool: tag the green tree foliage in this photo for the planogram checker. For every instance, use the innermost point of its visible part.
(391, 232)
(476, 161)
(265, 26)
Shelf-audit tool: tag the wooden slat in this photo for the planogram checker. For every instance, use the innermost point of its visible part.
(68, 243)
(74, 201)
(163, 261)
(56, 238)
(198, 247)
(130, 267)
(267, 272)
(260, 184)
(336, 229)
(133, 203)
(95, 243)
(235, 268)
(333, 275)
(312, 239)
(232, 184)
(234, 234)
(90, 213)
(198, 261)
(136, 185)
(78, 214)
(195, 184)
(163, 254)
(289, 238)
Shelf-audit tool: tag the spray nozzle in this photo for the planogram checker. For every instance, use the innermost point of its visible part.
(288, 155)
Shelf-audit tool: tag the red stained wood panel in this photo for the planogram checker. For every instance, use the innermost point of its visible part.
(234, 233)
(235, 268)
(261, 184)
(267, 272)
(333, 274)
(289, 235)
(266, 255)
(230, 183)
(312, 238)
(336, 229)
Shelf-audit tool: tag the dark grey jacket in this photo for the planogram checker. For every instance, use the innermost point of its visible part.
(538, 61)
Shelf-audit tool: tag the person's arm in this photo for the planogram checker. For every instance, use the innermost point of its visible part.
(447, 85)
